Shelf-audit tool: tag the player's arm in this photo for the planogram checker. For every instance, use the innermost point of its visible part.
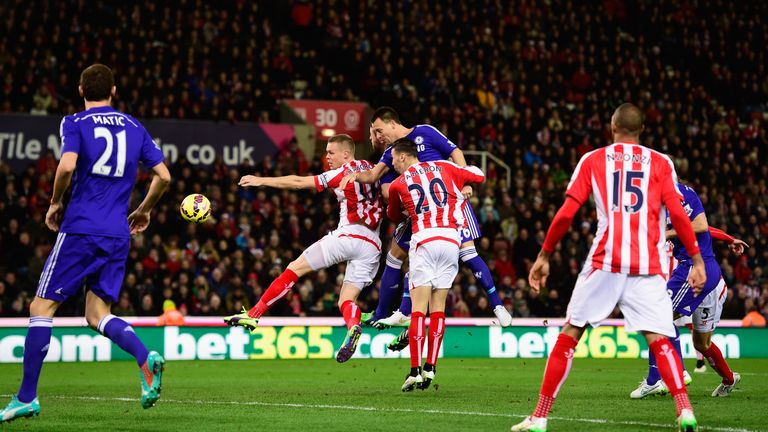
(138, 221)
(699, 224)
(284, 182)
(369, 176)
(61, 182)
(457, 157)
(395, 206)
(557, 230)
(736, 246)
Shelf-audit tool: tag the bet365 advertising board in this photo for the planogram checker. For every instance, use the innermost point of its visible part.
(70, 344)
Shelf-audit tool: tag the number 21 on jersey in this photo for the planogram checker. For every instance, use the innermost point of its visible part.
(101, 167)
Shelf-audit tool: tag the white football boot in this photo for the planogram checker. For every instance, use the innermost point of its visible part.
(505, 318)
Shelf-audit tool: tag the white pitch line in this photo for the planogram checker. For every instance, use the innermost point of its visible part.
(398, 410)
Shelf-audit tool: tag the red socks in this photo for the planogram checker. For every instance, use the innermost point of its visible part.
(351, 313)
(718, 363)
(275, 292)
(671, 372)
(416, 337)
(555, 374)
(436, 331)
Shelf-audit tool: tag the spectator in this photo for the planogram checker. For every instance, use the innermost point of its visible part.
(753, 317)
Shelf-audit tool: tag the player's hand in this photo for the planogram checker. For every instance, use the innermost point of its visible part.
(53, 217)
(250, 180)
(347, 179)
(467, 191)
(138, 221)
(698, 276)
(537, 278)
(738, 247)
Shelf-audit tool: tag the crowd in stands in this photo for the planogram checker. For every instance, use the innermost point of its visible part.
(532, 82)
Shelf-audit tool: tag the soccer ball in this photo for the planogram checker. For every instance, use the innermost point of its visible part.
(195, 208)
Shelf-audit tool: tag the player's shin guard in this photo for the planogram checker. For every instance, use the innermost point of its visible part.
(416, 337)
(405, 303)
(555, 374)
(123, 335)
(35, 348)
(671, 370)
(390, 280)
(718, 363)
(435, 339)
(351, 313)
(277, 290)
(483, 275)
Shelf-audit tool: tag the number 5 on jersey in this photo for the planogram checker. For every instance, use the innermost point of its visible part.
(633, 199)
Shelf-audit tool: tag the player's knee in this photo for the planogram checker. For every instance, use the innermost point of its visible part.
(92, 319)
(398, 252)
(42, 307)
(702, 345)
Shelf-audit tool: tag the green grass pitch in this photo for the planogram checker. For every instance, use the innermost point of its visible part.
(321, 395)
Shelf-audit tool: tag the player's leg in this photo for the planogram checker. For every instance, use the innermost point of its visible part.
(351, 313)
(311, 260)
(705, 320)
(647, 308)
(583, 309)
(64, 268)
(417, 334)
(435, 335)
(25, 403)
(402, 316)
(104, 284)
(470, 257)
(390, 278)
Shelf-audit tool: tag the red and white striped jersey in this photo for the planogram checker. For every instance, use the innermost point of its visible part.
(630, 184)
(431, 194)
(358, 202)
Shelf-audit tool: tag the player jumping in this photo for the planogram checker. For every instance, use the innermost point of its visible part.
(431, 146)
(705, 308)
(430, 192)
(356, 240)
(100, 155)
(631, 185)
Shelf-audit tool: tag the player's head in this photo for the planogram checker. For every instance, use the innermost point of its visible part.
(404, 154)
(97, 83)
(385, 125)
(339, 150)
(627, 121)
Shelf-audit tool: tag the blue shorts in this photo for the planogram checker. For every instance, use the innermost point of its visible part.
(469, 232)
(97, 259)
(683, 301)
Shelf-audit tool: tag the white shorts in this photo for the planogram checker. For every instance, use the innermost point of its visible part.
(642, 299)
(434, 258)
(356, 244)
(707, 315)
(683, 320)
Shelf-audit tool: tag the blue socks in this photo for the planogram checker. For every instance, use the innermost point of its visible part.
(653, 371)
(35, 349)
(405, 304)
(122, 334)
(483, 275)
(390, 280)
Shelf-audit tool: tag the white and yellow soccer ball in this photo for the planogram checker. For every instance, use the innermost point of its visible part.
(195, 208)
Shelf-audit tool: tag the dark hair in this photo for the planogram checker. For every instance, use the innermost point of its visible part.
(629, 119)
(97, 81)
(404, 145)
(386, 114)
(344, 140)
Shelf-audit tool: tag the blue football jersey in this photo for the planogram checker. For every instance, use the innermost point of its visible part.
(693, 207)
(431, 145)
(109, 145)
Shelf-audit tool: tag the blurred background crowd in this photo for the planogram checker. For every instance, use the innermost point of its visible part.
(532, 82)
